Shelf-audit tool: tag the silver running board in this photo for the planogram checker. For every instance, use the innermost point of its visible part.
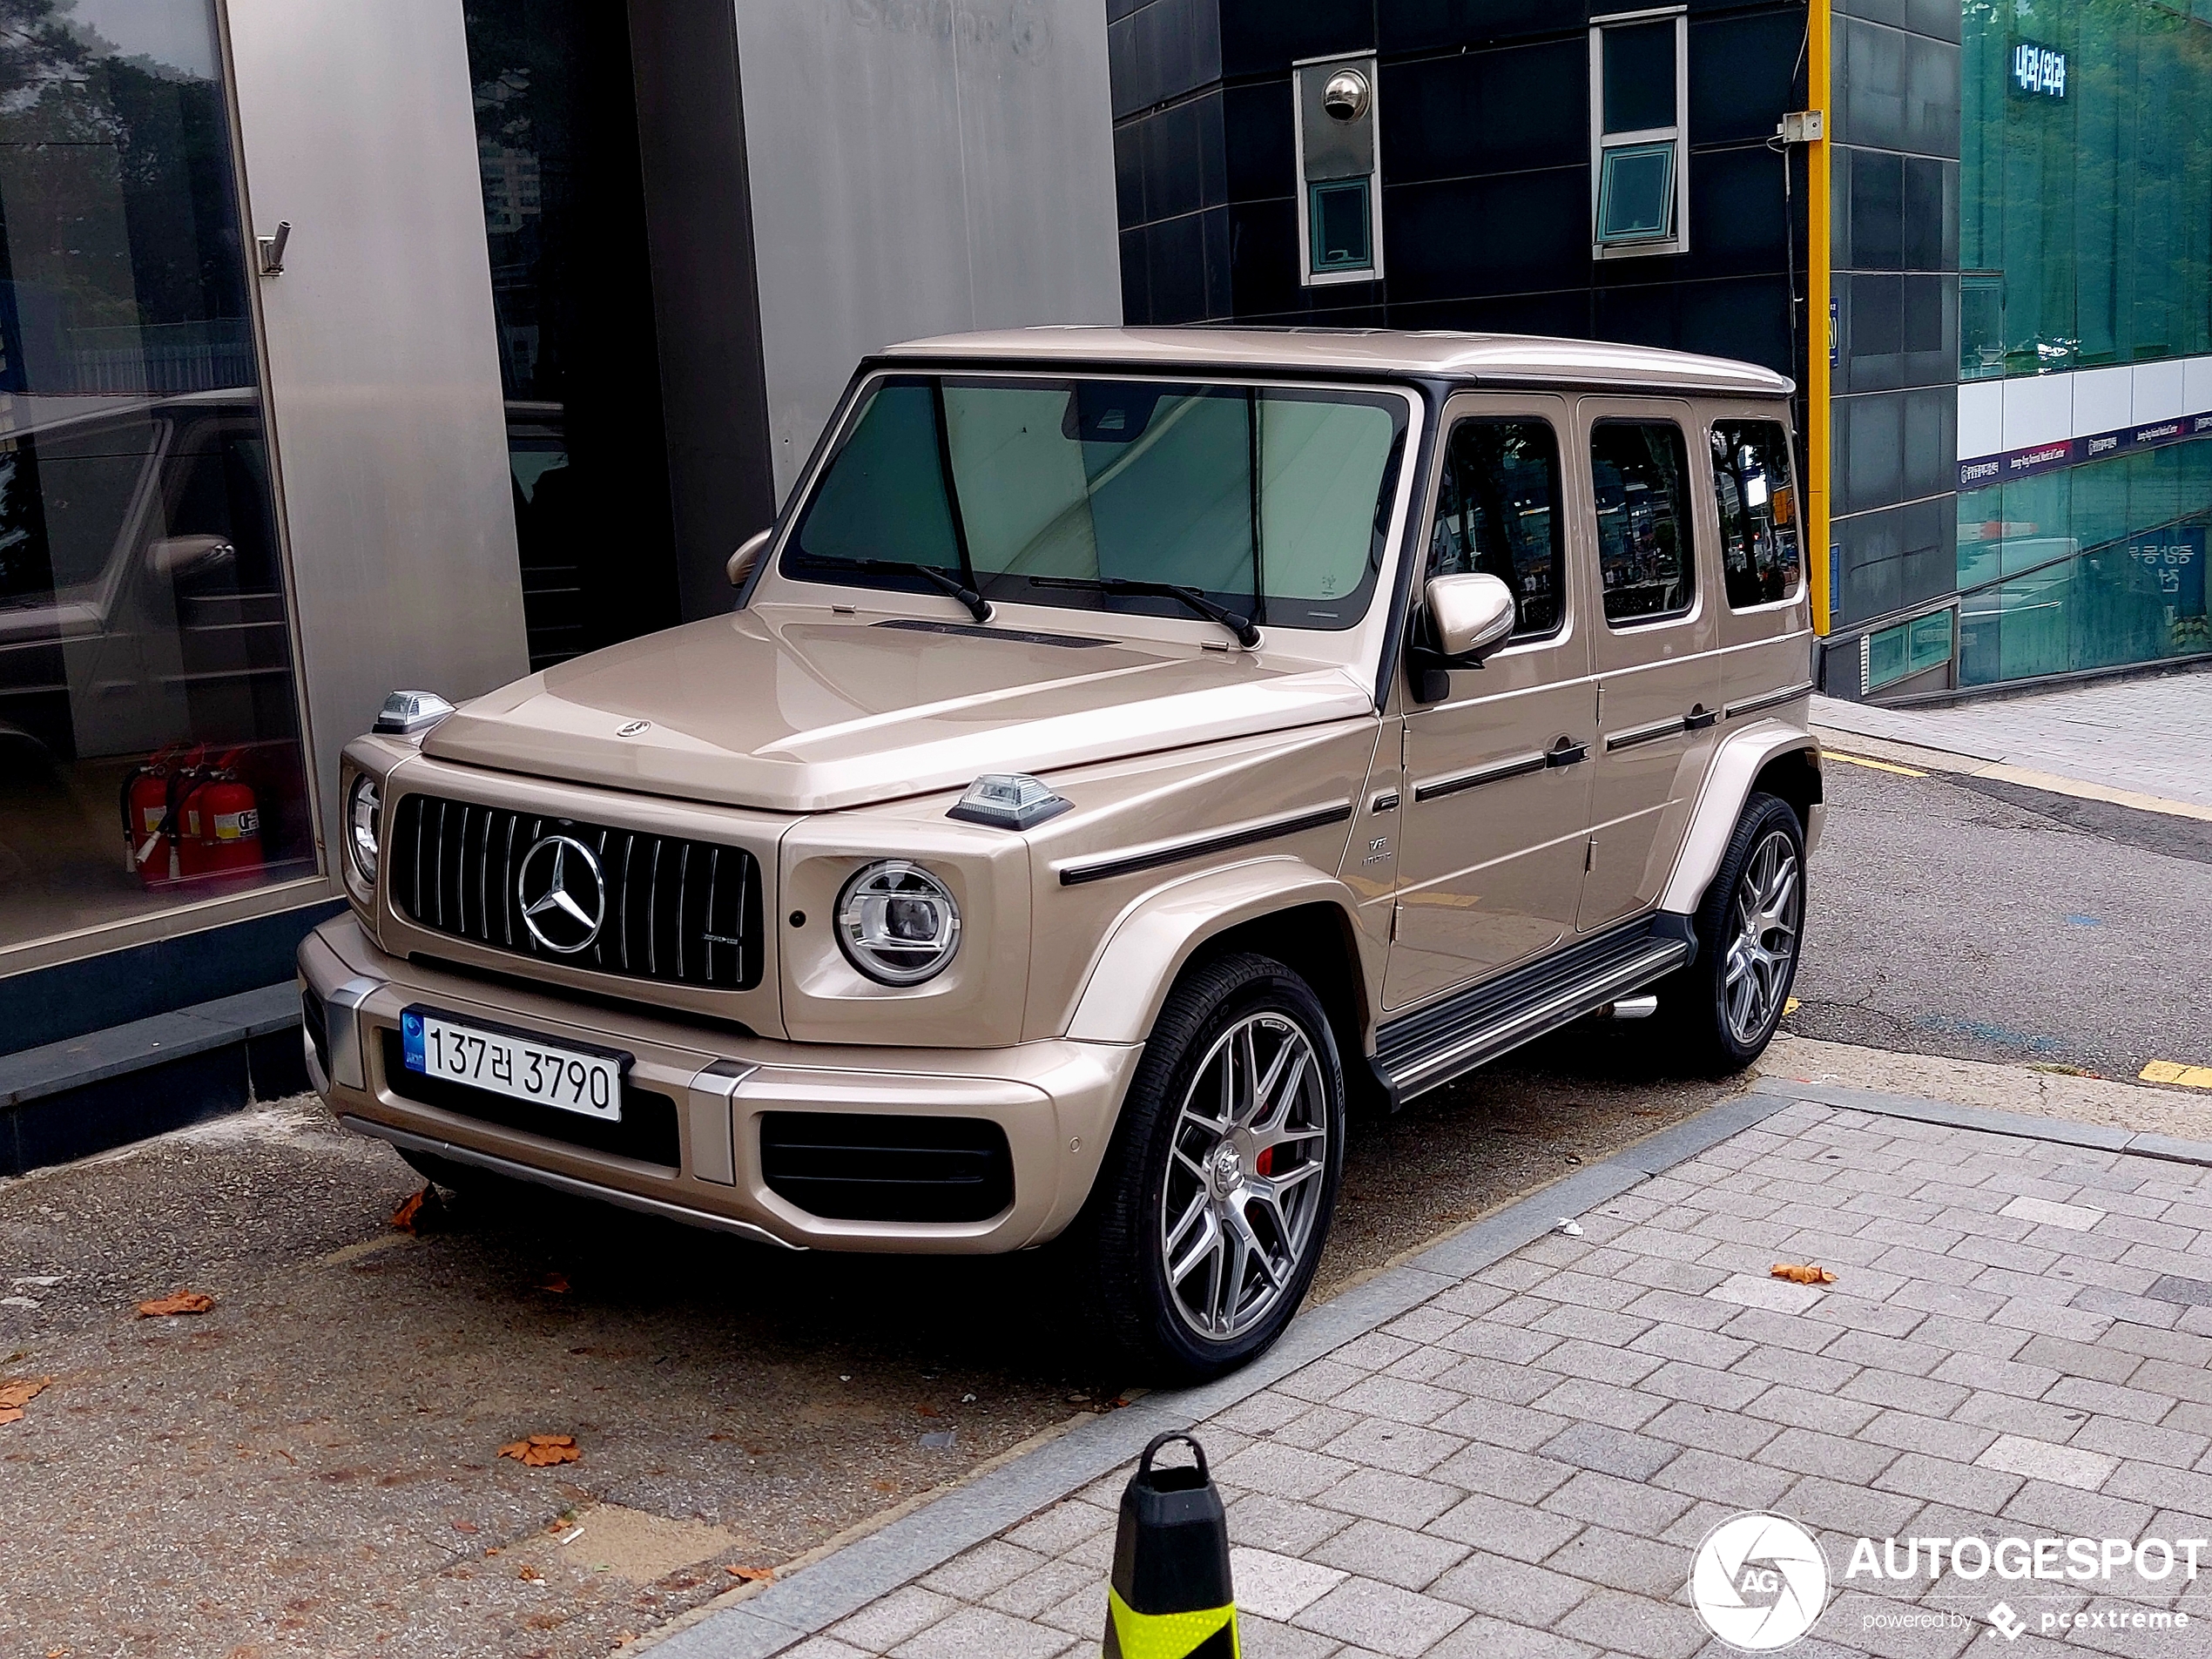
(1459, 1049)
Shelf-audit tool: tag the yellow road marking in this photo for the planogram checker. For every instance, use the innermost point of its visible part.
(1790, 1006)
(1878, 765)
(2167, 1072)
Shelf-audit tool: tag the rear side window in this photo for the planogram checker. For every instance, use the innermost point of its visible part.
(1640, 470)
(1497, 512)
(1759, 512)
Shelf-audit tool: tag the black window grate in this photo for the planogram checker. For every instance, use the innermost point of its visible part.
(681, 912)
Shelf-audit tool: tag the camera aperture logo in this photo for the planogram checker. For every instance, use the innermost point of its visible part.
(1758, 1582)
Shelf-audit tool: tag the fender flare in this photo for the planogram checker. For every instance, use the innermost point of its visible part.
(1742, 757)
(1151, 941)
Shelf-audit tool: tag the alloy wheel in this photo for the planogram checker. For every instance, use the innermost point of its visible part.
(1763, 938)
(1244, 1185)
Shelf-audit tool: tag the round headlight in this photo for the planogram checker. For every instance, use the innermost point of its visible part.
(361, 805)
(897, 923)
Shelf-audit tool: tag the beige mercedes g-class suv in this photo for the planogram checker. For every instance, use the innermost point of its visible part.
(1129, 748)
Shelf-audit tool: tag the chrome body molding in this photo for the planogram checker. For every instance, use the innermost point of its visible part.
(569, 1184)
(1772, 699)
(1496, 771)
(1651, 733)
(1195, 847)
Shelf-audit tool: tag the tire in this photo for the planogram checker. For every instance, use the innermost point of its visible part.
(1237, 1221)
(1722, 1010)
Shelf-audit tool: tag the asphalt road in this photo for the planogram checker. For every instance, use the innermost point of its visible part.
(1960, 916)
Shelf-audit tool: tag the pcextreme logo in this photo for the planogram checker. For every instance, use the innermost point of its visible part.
(1758, 1582)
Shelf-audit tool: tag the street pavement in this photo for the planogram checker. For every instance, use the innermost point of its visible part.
(2150, 735)
(1524, 1461)
(1953, 912)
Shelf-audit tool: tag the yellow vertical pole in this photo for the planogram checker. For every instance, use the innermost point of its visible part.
(1819, 291)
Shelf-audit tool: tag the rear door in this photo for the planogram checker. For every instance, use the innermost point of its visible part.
(1653, 645)
(1495, 798)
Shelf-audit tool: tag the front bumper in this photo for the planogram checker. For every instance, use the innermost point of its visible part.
(1055, 1100)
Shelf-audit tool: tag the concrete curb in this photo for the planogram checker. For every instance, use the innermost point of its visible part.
(836, 1588)
(818, 1596)
(2022, 1125)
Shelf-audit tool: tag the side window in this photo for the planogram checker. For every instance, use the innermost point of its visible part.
(1759, 556)
(1496, 511)
(1644, 552)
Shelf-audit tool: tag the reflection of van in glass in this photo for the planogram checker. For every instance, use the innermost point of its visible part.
(141, 609)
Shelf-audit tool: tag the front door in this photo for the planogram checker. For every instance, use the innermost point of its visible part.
(1495, 800)
(1653, 647)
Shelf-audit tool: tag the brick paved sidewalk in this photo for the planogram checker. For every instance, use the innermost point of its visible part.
(2017, 1344)
(2147, 736)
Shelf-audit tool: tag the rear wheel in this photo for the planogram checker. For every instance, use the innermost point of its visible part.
(1724, 1007)
(1207, 1221)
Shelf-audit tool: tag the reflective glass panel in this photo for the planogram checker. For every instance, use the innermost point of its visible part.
(1640, 470)
(1496, 510)
(1635, 201)
(149, 735)
(1759, 512)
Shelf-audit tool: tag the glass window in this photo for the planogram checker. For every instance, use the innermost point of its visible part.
(1272, 503)
(145, 663)
(1635, 200)
(1341, 225)
(1645, 559)
(1759, 512)
(1640, 76)
(1496, 510)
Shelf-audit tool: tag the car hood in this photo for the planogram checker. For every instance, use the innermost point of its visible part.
(808, 715)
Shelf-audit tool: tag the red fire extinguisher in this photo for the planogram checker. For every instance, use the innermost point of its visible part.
(222, 822)
(152, 832)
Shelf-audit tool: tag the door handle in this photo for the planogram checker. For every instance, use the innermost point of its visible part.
(1566, 752)
(1699, 718)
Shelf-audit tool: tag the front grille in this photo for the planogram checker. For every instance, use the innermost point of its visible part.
(646, 1132)
(859, 1166)
(685, 913)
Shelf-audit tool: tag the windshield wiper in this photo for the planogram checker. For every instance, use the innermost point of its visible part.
(978, 606)
(1247, 636)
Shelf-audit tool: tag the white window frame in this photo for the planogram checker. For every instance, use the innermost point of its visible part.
(1679, 134)
(1366, 64)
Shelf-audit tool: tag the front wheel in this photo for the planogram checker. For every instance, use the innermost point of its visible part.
(1203, 1233)
(1724, 1007)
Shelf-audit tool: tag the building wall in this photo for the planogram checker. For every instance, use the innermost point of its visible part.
(919, 169)
(1484, 129)
(1893, 144)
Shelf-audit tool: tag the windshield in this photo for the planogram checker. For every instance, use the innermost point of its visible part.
(1272, 502)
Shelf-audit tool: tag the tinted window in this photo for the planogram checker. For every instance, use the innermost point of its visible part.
(1640, 470)
(1495, 511)
(1759, 512)
(1272, 502)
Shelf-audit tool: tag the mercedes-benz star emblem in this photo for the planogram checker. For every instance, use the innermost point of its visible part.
(563, 894)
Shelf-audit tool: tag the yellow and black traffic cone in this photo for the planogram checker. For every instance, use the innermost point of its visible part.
(1171, 1597)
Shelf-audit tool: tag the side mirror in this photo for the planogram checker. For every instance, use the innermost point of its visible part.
(748, 555)
(1472, 614)
(190, 556)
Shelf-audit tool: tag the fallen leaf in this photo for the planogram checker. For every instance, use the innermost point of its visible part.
(927, 1411)
(1812, 1274)
(410, 1216)
(752, 1574)
(557, 1284)
(466, 1526)
(884, 1486)
(529, 1573)
(14, 1396)
(182, 1302)
(539, 1450)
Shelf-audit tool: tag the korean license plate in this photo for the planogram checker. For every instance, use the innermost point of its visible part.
(508, 1062)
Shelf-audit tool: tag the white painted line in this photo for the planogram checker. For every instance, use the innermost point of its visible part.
(2074, 1218)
